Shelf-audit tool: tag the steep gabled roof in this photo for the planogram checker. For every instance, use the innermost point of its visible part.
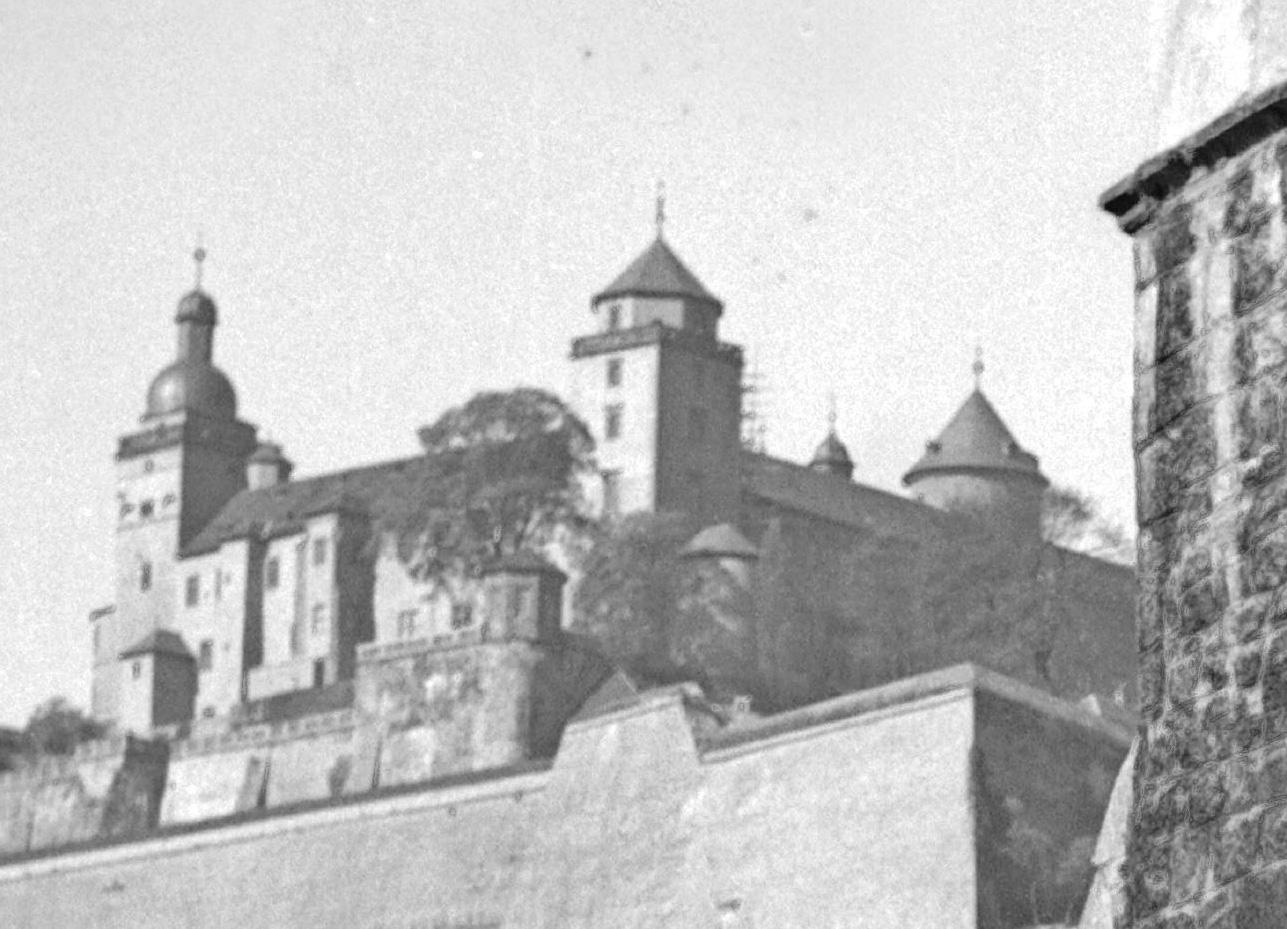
(285, 508)
(658, 272)
(975, 439)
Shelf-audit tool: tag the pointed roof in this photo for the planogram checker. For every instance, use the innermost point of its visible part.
(975, 439)
(831, 457)
(658, 272)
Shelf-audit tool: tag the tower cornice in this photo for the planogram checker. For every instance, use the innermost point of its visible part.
(654, 333)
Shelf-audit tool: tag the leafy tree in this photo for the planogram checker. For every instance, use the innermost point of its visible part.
(1072, 519)
(503, 473)
(631, 584)
(56, 728)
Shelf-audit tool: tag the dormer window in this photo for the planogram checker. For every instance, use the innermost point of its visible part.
(614, 317)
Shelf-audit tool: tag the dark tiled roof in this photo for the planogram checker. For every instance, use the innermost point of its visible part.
(158, 641)
(657, 272)
(796, 487)
(975, 439)
(376, 490)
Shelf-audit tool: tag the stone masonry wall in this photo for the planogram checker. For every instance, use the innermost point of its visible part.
(1208, 843)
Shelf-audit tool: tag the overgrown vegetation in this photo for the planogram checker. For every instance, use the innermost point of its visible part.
(56, 728)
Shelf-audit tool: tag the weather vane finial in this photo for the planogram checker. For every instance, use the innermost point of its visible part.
(661, 207)
(199, 256)
(977, 367)
(831, 411)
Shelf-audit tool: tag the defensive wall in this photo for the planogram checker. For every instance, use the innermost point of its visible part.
(884, 808)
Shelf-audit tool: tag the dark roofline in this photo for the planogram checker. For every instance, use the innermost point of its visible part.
(922, 470)
(1134, 199)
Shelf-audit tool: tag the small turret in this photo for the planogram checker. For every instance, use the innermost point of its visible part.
(524, 598)
(831, 456)
(727, 547)
(267, 467)
(975, 466)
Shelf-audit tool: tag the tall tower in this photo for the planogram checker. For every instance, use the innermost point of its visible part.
(172, 476)
(660, 392)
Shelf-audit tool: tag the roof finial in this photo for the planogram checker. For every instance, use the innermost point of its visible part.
(977, 367)
(661, 207)
(199, 256)
(831, 412)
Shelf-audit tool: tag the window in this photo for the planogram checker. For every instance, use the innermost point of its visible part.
(272, 574)
(205, 655)
(136, 670)
(612, 421)
(145, 576)
(696, 424)
(207, 712)
(406, 624)
(192, 590)
(146, 508)
(614, 317)
(611, 493)
(513, 604)
(462, 614)
(319, 672)
(614, 372)
(319, 551)
(319, 619)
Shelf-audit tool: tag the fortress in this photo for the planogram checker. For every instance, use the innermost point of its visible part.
(274, 673)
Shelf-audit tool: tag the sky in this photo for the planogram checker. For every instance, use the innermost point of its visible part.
(406, 202)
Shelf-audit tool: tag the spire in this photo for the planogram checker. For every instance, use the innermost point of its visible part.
(199, 256)
(660, 216)
(831, 456)
(977, 367)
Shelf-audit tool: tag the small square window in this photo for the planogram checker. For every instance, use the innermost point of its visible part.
(319, 619)
(612, 421)
(207, 712)
(205, 655)
(192, 590)
(272, 573)
(462, 615)
(136, 670)
(614, 372)
(145, 576)
(146, 508)
(319, 551)
(614, 317)
(319, 672)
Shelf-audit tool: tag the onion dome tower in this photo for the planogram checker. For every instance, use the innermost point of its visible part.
(975, 466)
(173, 475)
(831, 456)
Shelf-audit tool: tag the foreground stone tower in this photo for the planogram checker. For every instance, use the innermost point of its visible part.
(1208, 842)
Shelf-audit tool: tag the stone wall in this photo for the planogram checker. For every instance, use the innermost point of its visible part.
(860, 811)
(109, 789)
(1208, 844)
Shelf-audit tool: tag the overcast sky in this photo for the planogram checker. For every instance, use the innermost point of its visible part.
(405, 202)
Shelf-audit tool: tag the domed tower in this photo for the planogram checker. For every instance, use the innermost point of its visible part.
(831, 456)
(173, 475)
(976, 466)
(660, 392)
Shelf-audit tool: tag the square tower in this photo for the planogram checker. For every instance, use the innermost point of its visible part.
(660, 393)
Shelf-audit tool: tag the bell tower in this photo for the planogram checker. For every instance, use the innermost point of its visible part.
(660, 392)
(173, 474)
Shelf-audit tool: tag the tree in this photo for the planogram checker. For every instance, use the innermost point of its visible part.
(632, 581)
(502, 473)
(56, 728)
(1072, 519)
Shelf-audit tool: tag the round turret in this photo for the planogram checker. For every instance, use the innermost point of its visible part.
(975, 466)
